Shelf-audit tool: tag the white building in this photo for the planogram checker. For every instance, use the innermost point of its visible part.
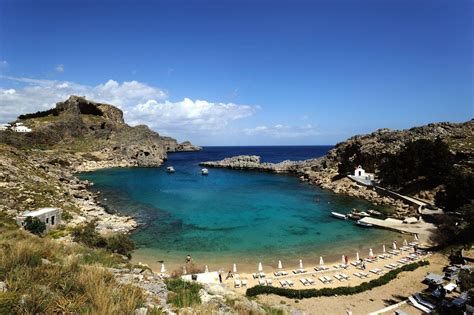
(4, 127)
(50, 216)
(359, 171)
(21, 128)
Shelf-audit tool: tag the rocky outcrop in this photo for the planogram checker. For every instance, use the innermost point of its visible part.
(323, 171)
(83, 126)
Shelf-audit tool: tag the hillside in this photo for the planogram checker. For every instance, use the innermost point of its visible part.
(93, 132)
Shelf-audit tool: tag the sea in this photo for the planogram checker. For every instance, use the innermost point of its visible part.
(235, 216)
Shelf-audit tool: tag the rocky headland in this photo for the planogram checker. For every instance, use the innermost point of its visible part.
(37, 168)
(368, 150)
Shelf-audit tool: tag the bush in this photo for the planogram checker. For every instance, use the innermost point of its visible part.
(309, 293)
(184, 293)
(52, 111)
(34, 225)
(121, 244)
(87, 235)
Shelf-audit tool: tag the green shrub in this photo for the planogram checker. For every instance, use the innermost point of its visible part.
(121, 244)
(183, 293)
(309, 293)
(34, 225)
(87, 235)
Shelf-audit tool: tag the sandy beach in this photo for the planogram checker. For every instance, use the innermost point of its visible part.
(395, 291)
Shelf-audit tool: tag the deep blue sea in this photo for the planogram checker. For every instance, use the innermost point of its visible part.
(232, 215)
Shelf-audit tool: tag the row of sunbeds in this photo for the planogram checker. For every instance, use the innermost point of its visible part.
(239, 283)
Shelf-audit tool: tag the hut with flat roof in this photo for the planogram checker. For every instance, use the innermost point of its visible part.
(52, 217)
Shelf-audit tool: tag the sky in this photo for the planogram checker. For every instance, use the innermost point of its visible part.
(244, 72)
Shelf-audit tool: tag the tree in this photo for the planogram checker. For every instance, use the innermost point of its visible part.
(86, 234)
(34, 225)
(458, 191)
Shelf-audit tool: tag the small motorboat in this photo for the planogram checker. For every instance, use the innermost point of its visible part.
(204, 171)
(354, 216)
(364, 224)
(375, 213)
(170, 169)
(339, 215)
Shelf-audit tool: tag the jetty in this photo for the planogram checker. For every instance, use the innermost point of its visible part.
(421, 228)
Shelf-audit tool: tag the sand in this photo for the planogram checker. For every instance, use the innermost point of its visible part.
(406, 284)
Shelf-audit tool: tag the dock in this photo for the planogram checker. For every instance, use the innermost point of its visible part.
(424, 230)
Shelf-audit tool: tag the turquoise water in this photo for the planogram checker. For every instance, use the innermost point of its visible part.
(231, 215)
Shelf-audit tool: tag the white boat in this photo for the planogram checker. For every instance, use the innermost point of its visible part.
(364, 224)
(375, 213)
(170, 169)
(339, 215)
(204, 171)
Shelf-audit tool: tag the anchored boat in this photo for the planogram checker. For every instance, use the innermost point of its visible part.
(170, 169)
(204, 171)
(339, 215)
(364, 224)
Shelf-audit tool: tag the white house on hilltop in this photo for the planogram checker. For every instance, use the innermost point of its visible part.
(20, 128)
(361, 177)
(359, 171)
(50, 216)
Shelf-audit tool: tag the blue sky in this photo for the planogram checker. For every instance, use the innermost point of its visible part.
(244, 72)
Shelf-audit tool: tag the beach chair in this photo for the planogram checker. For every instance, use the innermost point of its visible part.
(358, 275)
(295, 271)
(284, 273)
(269, 282)
(310, 281)
(328, 279)
(388, 267)
(254, 275)
(261, 282)
(261, 274)
(374, 271)
(323, 280)
(277, 273)
(304, 282)
(290, 283)
(283, 283)
(244, 282)
(344, 276)
(237, 283)
(338, 277)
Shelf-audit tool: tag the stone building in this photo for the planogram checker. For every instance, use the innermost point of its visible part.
(52, 217)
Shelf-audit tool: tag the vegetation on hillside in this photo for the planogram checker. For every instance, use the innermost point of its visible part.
(52, 111)
(45, 277)
(119, 243)
(34, 225)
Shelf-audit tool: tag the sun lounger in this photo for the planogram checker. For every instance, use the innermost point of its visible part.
(244, 282)
(310, 281)
(365, 275)
(328, 279)
(261, 282)
(376, 270)
(323, 280)
(254, 275)
(388, 267)
(358, 275)
(283, 283)
(269, 282)
(304, 282)
(262, 275)
(277, 273)
(284, 273)
(237, 283)
(344, 276)
(355, 263)
(339, 277)
(290, 283)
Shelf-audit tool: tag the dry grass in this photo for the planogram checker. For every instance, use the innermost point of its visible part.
(65, 283)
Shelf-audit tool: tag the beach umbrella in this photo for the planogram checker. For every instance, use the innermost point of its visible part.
(405, 243)
(343, 259)
(163, 269)
(260, 267)
(184, 271)
(206, 270)
(280, 265)
(301, 264)
(416, 237)
(394, 245)
(357, 256)
(234, 268)
(383, 249)
(371, 253)
(321, 261)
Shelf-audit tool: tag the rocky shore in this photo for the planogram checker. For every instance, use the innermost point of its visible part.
(78, 135)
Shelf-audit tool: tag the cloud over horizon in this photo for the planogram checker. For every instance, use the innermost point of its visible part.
(140, 102)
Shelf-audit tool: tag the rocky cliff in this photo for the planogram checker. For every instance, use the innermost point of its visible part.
(369, 150)
(97, 133)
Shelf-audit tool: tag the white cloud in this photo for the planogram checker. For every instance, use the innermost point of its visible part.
(141, 103)
(280, 131)
(59, 68)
